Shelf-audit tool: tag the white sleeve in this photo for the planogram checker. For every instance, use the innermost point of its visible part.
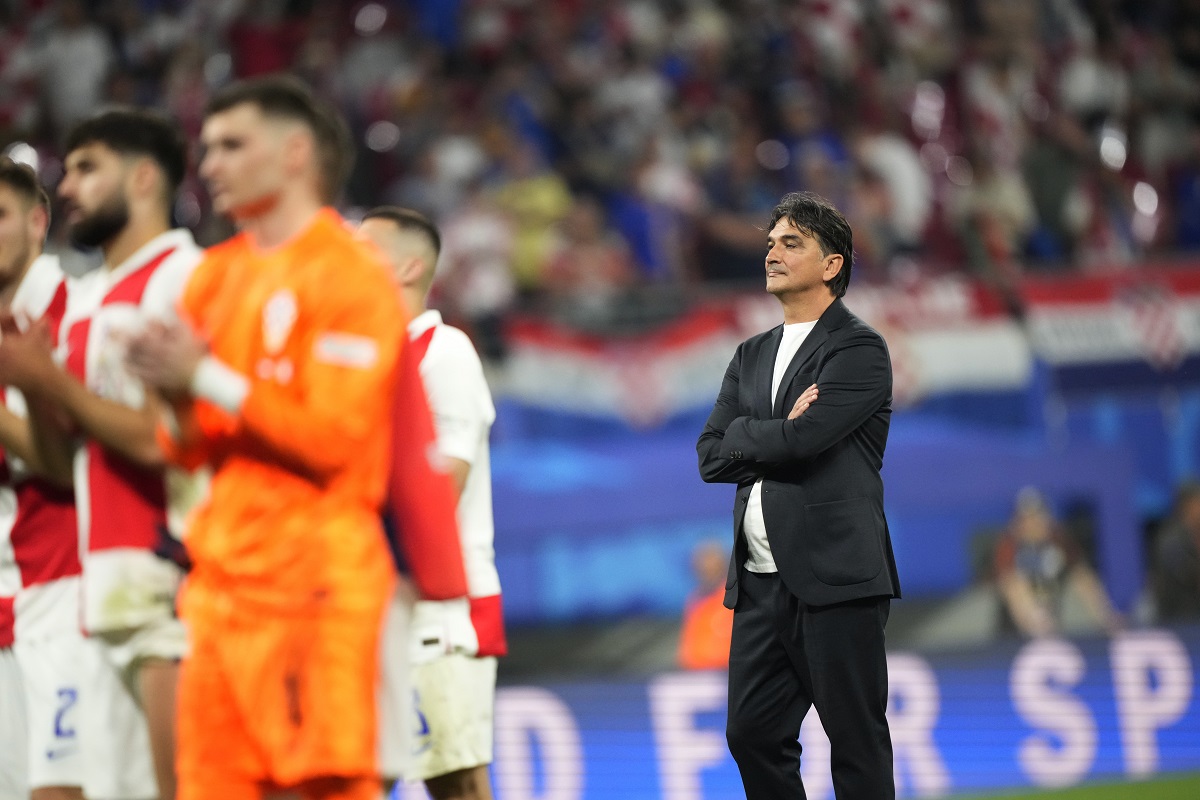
(458, 394)
(161, 301)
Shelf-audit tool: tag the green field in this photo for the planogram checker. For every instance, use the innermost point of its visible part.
(1175, 788)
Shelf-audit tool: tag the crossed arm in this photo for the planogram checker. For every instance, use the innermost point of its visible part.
(854, 383)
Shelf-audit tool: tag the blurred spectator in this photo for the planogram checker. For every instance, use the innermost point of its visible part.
(1175, 575)
(891, 157)
(1165, 94)
(73, 61)
(1039, 569)
(589, 263)
(707, 623)
(683, 116)
(474, 285)
(995, 215)
(535, 198)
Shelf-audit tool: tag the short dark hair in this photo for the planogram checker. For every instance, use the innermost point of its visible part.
(287, 97)
(24, 181)
(408, 220)
(136, 132)
(815, 216)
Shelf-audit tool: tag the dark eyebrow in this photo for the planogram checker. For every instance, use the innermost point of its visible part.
(785, 237)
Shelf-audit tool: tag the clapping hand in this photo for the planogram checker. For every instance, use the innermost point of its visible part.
(26, 357)
(165, 356)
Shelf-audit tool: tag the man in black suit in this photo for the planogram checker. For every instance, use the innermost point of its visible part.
(800, 426)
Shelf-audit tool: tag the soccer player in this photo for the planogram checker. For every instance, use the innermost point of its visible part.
(121, 173)
(453, 645)
(281, 380)
(37, 518)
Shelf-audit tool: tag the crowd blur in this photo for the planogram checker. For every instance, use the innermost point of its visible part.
(572, 149)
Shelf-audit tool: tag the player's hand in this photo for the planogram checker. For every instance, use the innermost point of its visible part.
(442, 627)
(806, 399)
(165, 356)
(27, 358)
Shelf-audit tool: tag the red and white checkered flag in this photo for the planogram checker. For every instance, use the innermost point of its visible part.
(1152, 313)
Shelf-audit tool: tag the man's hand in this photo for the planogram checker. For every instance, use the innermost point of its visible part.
(27, 358)
(806, 399)
(165, 356)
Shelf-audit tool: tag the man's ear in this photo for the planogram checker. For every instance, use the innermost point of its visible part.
(410, 272)
(298, 150)
(39, 223)
(833, 265)
(144, 178)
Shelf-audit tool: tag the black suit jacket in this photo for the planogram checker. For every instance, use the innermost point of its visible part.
(822, 495)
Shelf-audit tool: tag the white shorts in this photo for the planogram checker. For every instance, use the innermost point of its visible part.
(455, 698)
(54, 670)
(13, 761)
(126, 588)
(395, 703)
(118, 762)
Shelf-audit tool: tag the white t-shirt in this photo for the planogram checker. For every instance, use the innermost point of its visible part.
(759, 558)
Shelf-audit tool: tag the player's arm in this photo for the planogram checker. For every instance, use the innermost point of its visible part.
(714, 467)
(854, 383)
(349, 367)
(17, 439)
(352, 343)
(26, 361)
(121, 429)
(460, 402)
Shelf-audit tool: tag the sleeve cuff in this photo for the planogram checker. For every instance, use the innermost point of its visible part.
(220, 384)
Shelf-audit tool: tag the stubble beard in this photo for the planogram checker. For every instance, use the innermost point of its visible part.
(103, 224)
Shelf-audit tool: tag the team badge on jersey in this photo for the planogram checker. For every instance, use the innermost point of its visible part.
(279, 315)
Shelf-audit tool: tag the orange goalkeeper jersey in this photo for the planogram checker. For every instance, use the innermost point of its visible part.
(299, 473)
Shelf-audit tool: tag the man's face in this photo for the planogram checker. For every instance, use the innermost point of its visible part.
(18, 237)
(383, 234)
(244, 160)
(794, 261)
(93, 194)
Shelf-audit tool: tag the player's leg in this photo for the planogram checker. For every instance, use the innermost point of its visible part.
(329, 788)
(157, 682)
(463, 784)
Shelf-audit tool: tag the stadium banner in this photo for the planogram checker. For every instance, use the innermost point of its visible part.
(953, 335)
(1129, 328)
(1044, 713)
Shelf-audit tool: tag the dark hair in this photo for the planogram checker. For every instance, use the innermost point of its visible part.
(286, 97)
(408, 220)
(815, 216)
(24, 181)
(136, 132)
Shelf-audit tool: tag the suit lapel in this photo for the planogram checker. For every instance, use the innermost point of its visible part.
(764, 373)
(832, 319)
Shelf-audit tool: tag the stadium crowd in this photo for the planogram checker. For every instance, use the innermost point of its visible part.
(573, 148)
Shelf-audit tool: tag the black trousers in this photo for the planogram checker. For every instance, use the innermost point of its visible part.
(786, 658)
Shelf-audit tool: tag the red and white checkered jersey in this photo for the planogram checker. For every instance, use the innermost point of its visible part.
(121, 506)
(37, 519)
(463, 414)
